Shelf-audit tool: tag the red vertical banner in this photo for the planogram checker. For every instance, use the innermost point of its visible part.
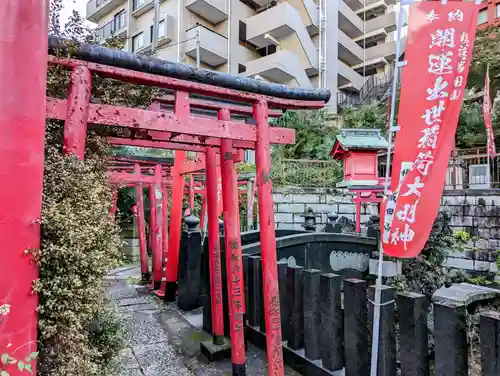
(438, 53)
(487, 115)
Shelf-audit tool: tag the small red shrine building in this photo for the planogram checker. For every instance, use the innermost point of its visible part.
(358, 149)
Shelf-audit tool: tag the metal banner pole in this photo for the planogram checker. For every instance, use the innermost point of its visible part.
(392, 116)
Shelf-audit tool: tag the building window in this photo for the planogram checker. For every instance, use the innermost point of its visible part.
(161, 31)
(241, 68)
(138, 3)
(497, 12)
(137, 41)
(268, 50)
(243, 32)
(482, 17)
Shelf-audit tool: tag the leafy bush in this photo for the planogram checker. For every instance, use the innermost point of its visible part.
(79, 246)
(79, 333)
(426, 274)
(314, 136)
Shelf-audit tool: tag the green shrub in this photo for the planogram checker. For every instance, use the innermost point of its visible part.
(79, 333)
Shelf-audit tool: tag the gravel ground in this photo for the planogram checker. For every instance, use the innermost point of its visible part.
(164, 341)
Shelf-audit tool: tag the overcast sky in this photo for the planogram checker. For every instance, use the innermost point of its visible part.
(70, 5)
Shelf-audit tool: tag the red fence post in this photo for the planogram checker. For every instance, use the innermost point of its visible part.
(157, 229)
(75, 126)
(234, 263)
(268, 242)
(23, 72)
(141, 225)
(214, 247)
(175, 227)
(191, 192)
(165, 224)
(152, 226)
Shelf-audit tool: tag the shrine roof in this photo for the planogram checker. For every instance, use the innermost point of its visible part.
(358, 139)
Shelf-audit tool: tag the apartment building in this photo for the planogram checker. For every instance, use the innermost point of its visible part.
(489, 13)
(308, 43)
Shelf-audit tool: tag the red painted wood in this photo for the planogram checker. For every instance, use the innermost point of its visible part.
(158, 259)
(160, 126)
(191, 191)
(189, 86)
(23, 71)
(151, 238)
(268, 243)
(124, 178)
(164, 229)
(214, 105)
(360, 165)
(175, 218)
(214, 245)
(234, 264)
(75, 126)
(155, 144)
(141, 227)
(195, 140)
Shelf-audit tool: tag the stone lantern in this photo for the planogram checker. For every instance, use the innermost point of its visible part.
(309, 220)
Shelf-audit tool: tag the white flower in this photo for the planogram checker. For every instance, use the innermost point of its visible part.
(4, 309)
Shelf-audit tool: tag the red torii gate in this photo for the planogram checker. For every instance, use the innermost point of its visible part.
(22, 120)
(212, 162)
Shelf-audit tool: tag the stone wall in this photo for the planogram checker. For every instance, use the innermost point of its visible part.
(290, 204)
(475, 211)
(130, 237)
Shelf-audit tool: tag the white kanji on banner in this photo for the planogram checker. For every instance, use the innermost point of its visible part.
(438, 91)
(443, 38)
(441, 64)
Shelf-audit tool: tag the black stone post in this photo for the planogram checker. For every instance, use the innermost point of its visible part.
(282, 283)
(262, 316)
(373, 231)
(205, 286)
(489, 334)
(309, 220)
(332, 218)
(413, 334)
(244, 260)
(357, 360)
(191, 222)
(450, 335)
(331, 334)
(254, 297)
(312, 313)
(386, 364)
(295, 290)
(188, 297)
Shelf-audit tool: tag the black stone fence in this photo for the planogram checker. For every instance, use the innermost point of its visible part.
(193, 262)
(328, 332)
(346, 255)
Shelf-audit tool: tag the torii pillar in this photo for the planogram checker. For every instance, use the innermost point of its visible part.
(23, 72)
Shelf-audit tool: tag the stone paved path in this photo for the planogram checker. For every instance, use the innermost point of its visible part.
(162, 340)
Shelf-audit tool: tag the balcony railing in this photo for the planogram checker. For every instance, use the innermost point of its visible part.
(467, 169)
(375, 88)
(113, 27)
(306, 173)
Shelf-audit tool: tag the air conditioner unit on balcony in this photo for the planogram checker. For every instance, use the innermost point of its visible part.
(479, 177)
(168, 30)
(267, 6)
